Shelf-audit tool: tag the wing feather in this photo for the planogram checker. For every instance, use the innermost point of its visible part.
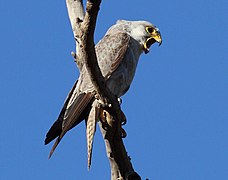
(56, 128)
(79, 105)
(111, 51)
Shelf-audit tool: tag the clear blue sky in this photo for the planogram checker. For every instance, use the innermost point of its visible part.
(177, 106)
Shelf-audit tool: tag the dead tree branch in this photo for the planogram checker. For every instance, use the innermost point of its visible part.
(83, 26)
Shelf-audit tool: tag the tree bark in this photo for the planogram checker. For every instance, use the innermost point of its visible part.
(83, 26)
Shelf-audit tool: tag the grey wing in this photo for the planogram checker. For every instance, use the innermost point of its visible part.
(73, 117)
(110, 52)
(56, 128)
(116, 61)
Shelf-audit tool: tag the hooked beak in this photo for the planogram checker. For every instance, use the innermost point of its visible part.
(155, 37)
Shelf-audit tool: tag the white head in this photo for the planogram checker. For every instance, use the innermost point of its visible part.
(142, 31)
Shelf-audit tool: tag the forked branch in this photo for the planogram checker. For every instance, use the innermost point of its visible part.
(83, 26)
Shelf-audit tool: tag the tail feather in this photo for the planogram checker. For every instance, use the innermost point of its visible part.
(72, 116)
(90, 130)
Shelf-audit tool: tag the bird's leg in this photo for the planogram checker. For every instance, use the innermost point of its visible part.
(107, 119)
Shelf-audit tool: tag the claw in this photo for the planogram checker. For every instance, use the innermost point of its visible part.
(123, 119)
(123, 133)
(119, 100)
(123, 122)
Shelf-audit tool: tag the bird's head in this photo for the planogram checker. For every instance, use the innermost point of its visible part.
(143, 32)
(153, 35)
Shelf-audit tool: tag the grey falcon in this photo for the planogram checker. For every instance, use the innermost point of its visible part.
(117, 53)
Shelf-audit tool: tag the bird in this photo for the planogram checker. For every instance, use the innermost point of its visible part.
(118, 54)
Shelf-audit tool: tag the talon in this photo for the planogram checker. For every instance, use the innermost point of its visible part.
(123, 122)
(123, 119)
(123, 133)
(119, 100)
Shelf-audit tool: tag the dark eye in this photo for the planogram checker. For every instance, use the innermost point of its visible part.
(150, 30)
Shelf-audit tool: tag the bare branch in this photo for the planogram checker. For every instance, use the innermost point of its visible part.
(121, 167)
(83, 26)
(75, 11)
